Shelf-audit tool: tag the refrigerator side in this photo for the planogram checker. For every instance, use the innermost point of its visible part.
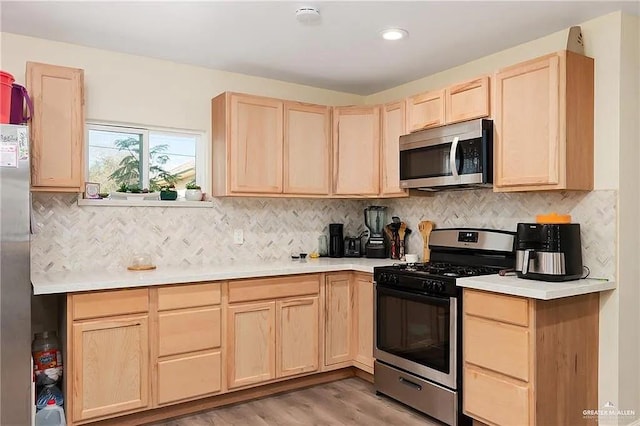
(15, 282)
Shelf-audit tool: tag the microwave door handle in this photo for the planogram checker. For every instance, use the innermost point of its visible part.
(452, 157)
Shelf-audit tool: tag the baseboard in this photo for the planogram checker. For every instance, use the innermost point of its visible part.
(205, 404)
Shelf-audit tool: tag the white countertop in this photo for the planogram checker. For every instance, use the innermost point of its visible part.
(543, 290)
(73, 281)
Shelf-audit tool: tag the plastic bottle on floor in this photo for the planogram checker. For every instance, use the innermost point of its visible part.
(51, 415)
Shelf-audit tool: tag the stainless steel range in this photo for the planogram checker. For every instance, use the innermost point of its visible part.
(418, 319)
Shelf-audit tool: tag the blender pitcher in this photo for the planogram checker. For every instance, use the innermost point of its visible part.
(374, 220)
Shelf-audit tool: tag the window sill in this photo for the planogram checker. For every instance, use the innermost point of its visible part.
(143, 203)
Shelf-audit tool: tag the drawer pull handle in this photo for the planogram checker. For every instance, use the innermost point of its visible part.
(410, 383)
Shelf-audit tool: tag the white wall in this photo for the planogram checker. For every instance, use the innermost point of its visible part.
(135, 89)
(629, 213)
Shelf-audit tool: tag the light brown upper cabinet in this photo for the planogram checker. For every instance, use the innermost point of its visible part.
(247, 144)
(356, 150)
(394, 125)
(57, 127)
(426, 110)
(459, 102)
(467, 100)
(544, 124)
(307, 148)
(264, 146)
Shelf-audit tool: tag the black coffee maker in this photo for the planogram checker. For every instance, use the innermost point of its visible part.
(336, 240)
(549, 251)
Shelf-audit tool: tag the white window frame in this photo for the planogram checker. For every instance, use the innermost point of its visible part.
(202, 151)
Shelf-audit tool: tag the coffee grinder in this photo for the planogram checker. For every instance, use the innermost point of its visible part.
(374, 220)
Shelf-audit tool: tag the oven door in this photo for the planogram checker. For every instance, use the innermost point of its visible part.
(417, 333)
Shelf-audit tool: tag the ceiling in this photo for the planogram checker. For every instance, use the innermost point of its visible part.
(343, 52)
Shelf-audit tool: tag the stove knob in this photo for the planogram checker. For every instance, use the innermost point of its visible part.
(430, 285)
(440, 288)
(394, 279)
(425, 285)
(382, 278)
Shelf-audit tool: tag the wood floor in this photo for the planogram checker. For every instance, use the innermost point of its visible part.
(345, 402)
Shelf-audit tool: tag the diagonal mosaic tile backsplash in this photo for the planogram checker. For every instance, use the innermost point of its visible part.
(72, 237)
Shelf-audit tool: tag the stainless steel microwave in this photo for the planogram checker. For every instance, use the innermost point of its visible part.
(454, 156)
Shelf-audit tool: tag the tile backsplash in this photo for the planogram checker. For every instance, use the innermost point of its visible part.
(72, 237)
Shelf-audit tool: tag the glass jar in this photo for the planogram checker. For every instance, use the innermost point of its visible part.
(323, 246)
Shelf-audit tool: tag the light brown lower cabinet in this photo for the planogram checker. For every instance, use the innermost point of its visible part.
(188, 350)
(110, 366)
(251, 343)
(107, 354)
(137, 349)
(363, 328)
(338, 319)
(276, 337)
(529, 362)
(297, 335)
(349, 299)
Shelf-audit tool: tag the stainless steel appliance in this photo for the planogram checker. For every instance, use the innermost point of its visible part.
(418, 319)
(374, 220)
(548, 252)
(454, 156)
(15, 283)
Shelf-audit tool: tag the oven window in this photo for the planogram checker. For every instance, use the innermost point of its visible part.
(416, 330)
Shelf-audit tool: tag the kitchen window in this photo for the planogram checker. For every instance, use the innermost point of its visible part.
(141, 159)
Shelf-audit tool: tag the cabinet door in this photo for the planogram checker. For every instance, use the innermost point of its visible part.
(110, 367)
(394, 120)
(364, 314)
(356, 156)
(527, 124)
(338, 319)
(297, 336)
(426, 110)
(307, 148)
(57, 127)
(256, 144)
(252, 343)
(468, 100)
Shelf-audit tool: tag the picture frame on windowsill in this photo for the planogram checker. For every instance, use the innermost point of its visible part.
(92, 190)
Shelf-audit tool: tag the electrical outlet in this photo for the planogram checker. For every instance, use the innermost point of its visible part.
(238, 236)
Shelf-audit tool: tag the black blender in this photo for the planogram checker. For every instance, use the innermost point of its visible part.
(374, 220)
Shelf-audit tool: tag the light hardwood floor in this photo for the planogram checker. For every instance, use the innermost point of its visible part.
(345, 402)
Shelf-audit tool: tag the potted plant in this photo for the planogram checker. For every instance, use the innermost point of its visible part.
(168, 192)
(132, 192)
(193, 192)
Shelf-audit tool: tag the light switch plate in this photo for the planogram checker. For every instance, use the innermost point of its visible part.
(238, 236)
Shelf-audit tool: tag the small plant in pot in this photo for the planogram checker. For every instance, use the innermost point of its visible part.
(193, 192)
(168, 192)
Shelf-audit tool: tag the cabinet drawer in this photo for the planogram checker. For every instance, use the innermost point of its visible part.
(273, 288)
(493, 399)
(499, 307)
(109, 303)
(188, 331)
(188, 377)
(188, 296)
(499, 347)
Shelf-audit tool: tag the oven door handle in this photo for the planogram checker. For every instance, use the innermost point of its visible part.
(444, 301)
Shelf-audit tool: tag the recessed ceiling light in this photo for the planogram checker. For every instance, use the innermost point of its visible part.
(394, 34)
(308, 15)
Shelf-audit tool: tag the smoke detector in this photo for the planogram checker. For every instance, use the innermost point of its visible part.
(308, 15)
